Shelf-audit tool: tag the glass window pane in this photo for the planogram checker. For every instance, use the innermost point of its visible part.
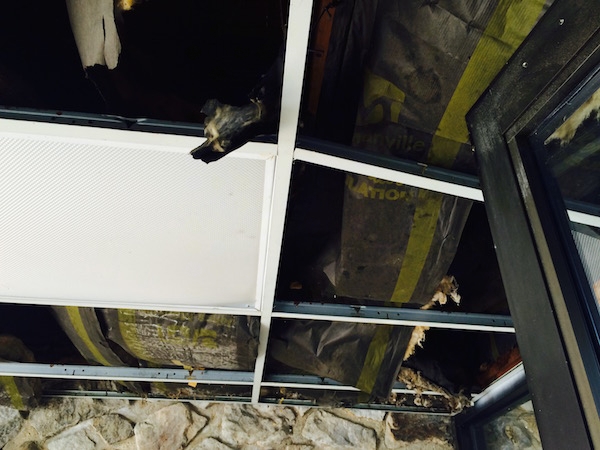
(587, 240)
(572, 155)
(515, 428)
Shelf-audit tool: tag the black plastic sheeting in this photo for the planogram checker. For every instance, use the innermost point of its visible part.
(399, 79)
(363, 355)
(397, 242)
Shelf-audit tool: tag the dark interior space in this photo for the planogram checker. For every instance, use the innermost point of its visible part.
(174, 57)
(313, 224)
(38, 329)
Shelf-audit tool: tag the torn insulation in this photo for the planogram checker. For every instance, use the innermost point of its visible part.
(566, 132)
(448, 288)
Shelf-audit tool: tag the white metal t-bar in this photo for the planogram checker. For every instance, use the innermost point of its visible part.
(293, 78)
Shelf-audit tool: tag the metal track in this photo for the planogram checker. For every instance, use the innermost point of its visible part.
(393, 316)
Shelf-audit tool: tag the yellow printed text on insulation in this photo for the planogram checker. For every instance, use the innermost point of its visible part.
(376, 189)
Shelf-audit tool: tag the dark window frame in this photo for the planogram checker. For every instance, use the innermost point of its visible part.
(469, 424)
(529, 224)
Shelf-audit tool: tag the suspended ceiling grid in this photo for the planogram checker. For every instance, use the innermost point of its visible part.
(285, 152)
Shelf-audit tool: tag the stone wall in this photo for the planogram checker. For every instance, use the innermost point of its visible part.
(86, 424)
(515, 428)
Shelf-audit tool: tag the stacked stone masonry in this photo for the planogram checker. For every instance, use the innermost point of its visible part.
(88, 424)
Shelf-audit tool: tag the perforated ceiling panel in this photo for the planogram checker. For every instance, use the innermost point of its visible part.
(129, 218)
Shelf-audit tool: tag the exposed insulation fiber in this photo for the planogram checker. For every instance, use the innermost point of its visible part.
(95, 32)
(567, 130)
(448, 288)
(126, 5)
(414, 380)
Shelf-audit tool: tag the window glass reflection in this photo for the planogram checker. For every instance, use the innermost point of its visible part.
(587, 240)
(516, 428)
(572, 155)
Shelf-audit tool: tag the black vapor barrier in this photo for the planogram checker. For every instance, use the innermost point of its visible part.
(399, 80)
(363, 355)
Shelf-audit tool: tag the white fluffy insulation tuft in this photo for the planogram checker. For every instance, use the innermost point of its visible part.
(447, 289)
(566, 132)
